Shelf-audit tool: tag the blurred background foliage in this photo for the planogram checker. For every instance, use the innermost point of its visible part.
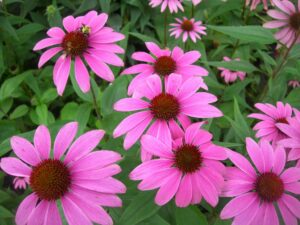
(28, 96)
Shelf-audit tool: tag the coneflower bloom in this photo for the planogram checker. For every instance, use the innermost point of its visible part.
(270, 117)
(231, 76)
(287, 18)
(294, 83)
(188, 168)
(254, 3)
(84, 39)
(81, 179)
(188, 28)
(20, 182)
(164, 62)
(258, 192)
(164, 106)
(292, 132)
(173, 5)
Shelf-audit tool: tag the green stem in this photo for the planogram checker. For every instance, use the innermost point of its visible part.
(193, 10)
(165, 29)
(96, 107)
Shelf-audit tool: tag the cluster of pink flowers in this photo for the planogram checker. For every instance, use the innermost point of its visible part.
(178, 156)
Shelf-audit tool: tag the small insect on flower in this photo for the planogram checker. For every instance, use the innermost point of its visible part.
(80, 179)
(188, 28)
(84, 39)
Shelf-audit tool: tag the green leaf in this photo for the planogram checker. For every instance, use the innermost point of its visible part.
(5, 213)
(143, 37)
(28, 30)
(140, 208)
(7, 27)
(256, 34)
(190, 215)
(11, 84)
(235, 65)
(20, 111)
(42, 113)
(83, 115)
(49, 95)
(293, 98)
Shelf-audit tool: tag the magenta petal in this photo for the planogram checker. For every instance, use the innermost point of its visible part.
(130, 104)
(291, 174)
(25, 209)
(25, 150)
(184, 194)
(288, 217)
(255, 154)
(42, 141)
(292, 204)
(64, 138)
(69, 23)
(15, 167)
(47, 55)
(56, 32)
(62, 75)
(39, 213)
(83, 145)
(47, 42)
(53, 215)
(82, 75)
(242, 163)
(156, 147)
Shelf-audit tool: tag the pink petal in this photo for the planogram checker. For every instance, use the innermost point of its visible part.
(156, 147)
(82, 75)
(62, 75)
(42, 141)
(15, 167)
(184, 193)
(47, 55)
(242, 163)
(130, 104)
(47, 42)
(69, 23)
(25, 209)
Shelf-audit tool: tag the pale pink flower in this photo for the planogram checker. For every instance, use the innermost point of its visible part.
(292, 132)
(294, 83)
(270, 117)
(81, 179)
(287, 18)
(84, 39)
(254, 3)
(231, 76)
(20, 182)
(188, 168)
(173, 5)
(165, 107)
(259, 192)
(196, 2)
(164, 62)
(188, 28)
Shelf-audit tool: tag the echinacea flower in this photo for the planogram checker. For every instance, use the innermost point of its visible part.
(231, 76)
(292, 132)
(176, 101)
(188, 168)
(173, 5)
(287, 18)
(84, 39)
(188, 28)
(20, 182)
(270, 117)
(81, 179)
(294, 83)
(254, 3)
(258, 192)
(164, 62)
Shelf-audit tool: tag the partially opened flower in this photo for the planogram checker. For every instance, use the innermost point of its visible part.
(292, 132)
(189, 168)
(254, 3)
(84, 39)
(81, 179)
(259, 192)
(231, 76)
(270, 117)
(173, 5)
(188, 28)
(294, 83)
(164, 62)
(166, 107)
(287, 18)
(20, 182)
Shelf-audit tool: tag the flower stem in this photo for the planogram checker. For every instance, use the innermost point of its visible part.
(193, 11)
(280, 66)
(96, 107)
(165, 29)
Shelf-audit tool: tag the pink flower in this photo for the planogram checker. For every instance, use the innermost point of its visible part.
(20, 182)
(164, 62)
(196, 2)
(287, 18)
(85, 38)
(173, 5)
(254, 3)
(257, 192)
(177, 101)
(292, 132)
(231, 76)
(189, 28)
(294, 83)
(272, 115)
(81, 179)
(188, 168)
